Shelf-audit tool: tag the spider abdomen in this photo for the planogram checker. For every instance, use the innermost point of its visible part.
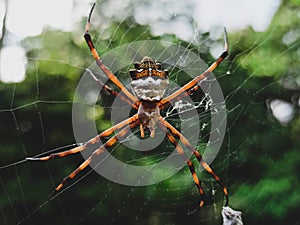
(150, 88)
(149, 81)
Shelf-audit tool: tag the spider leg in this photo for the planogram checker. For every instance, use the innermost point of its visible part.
(188, 162)
(193, 85)
(101, 65)
(97, 152)
(198, 155)
(111, 91)
(181, 96)
(92, 141)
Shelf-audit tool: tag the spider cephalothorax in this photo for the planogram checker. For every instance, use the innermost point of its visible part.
(148, 114)
(149, 83)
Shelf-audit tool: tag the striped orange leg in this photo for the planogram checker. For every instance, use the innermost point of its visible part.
(198, 155)
(97, 152)
(101, 65)
(111, 91)
(193, 85)
(188, 162)
(92, 141)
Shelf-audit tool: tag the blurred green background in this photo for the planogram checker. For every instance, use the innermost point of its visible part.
(259, 160)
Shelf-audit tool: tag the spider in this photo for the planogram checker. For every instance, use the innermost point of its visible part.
(149, 83)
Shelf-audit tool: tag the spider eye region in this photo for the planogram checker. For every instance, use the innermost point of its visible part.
(149, 82)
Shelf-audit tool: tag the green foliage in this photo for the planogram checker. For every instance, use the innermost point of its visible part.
(260, 154)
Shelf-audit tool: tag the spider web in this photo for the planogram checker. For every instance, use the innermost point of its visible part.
(40, 123)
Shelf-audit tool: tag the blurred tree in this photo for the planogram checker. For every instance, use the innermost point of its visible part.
(260, 153)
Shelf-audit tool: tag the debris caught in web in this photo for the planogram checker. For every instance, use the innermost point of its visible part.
(231, 217)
